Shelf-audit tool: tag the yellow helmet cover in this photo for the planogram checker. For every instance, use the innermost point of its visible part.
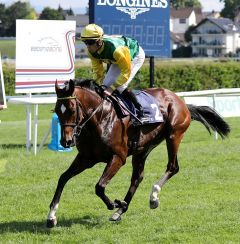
(91, 31)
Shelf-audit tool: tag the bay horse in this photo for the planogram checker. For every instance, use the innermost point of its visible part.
(90, 122)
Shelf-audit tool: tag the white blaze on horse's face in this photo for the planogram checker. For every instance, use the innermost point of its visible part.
(63, 109)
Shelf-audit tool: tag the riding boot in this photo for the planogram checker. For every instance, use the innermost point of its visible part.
(131, 96)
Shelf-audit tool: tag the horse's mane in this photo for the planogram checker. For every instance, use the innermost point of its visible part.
(88, 83)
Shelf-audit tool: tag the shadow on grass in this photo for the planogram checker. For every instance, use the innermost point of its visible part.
(12, 146)
(40, 226)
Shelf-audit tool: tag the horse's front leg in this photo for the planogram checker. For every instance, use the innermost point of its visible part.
(110, 170)
(76, 167)
(138, 163)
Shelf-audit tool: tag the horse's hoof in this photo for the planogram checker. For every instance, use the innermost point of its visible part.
(115, 217)
(154, 204)
(51, 223)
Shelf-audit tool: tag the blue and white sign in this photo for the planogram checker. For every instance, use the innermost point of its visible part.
(145, 20)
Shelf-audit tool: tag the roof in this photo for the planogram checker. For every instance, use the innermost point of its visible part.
(184, 13)
(225, 24)
(181, 13)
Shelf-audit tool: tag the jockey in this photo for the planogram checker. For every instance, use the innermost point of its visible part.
(124, 55)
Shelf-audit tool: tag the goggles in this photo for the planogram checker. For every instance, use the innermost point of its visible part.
(89, 42)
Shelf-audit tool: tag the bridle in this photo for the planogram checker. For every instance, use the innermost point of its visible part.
(78, 125)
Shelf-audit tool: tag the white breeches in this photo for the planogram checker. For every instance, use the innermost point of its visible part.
(114, 71)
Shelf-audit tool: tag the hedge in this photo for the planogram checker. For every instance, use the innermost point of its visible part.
(174, 76)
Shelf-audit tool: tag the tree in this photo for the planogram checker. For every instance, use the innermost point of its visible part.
(187, 34)
(18, 10)
(51, 14)
(231, 7)
(70, 12)
(2, 11)
(2, 19)
(185, 3)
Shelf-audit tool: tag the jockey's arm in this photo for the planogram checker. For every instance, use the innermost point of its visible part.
(123, 60)
(98, 69)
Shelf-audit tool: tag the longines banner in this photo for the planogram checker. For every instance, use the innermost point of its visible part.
(3, 103)
(145, 20)
(45, 51)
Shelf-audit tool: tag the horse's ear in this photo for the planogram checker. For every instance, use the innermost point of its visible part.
(71, 86)
(57, 87)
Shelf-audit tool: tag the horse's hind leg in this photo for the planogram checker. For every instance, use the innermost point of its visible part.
(75, 168)
(138, 163)
(172, 167)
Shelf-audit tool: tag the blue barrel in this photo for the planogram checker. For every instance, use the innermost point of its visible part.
(56, 136)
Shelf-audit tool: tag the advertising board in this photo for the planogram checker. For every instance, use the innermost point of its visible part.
(45, 52)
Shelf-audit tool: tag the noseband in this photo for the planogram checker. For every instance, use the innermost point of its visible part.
(78, 125)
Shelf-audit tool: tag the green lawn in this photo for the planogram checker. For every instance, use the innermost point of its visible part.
(8, 48)
(198, 205)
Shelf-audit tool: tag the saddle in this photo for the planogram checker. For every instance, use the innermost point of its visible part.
(125, 107)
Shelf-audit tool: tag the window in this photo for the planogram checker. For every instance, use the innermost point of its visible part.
(182, 21)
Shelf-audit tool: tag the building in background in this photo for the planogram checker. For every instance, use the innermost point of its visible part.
(180, 21)
(81, 21)
(212, 14)
(215, 38)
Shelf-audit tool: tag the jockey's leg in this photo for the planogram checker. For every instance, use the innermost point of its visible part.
(128, 94)
(136, 64)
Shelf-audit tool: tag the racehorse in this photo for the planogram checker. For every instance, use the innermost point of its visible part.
(89, 121)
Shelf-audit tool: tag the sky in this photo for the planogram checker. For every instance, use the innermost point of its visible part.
(79, 6)
(209, 5)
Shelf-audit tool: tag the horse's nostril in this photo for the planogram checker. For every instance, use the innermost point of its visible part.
(65, 144)
(68, 143)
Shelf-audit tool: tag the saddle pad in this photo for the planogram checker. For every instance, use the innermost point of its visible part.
(150, 107)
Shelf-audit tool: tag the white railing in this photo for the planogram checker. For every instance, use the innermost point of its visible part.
(223, 91)
(225, 101)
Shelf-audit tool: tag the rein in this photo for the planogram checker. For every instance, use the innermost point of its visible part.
(77, 126)
(80, 126)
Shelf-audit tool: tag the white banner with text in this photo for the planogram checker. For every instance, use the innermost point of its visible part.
(45, 52)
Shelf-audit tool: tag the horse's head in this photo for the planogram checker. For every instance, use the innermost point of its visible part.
(68, 111)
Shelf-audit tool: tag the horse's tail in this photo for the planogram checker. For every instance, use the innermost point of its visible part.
(210, 119)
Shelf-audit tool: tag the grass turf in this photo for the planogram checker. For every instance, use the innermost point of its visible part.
(198, 205)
